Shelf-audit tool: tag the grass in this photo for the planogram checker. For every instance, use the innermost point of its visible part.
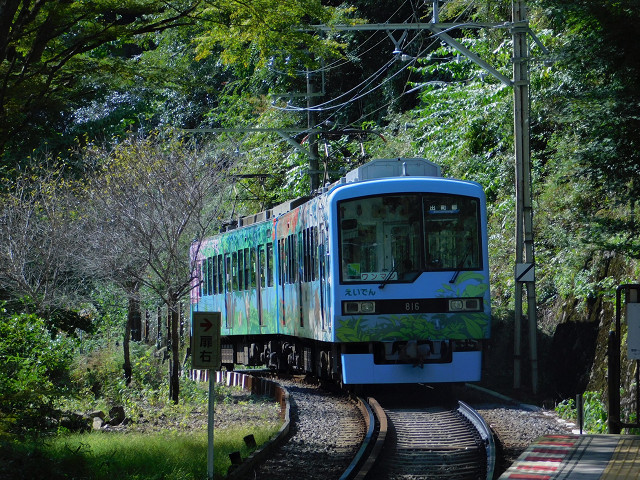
(131, 456)
(163, 440)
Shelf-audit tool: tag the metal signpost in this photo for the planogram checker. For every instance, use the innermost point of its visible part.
(627, 307)
(205, 355)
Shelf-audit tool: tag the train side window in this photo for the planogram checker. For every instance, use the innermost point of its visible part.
(252, 261)
(240, 270)
(289, 248)
(291, 258)
(220, 274)
(322, 254)
(262, 265)
(302, 240)
(295, 258)
(270, 264)
(247, 268)
(281, 262)
(199, 277)
(234, 271)
(210, 279)
(228, 273)
(213, 262)
(308, 255)
(288, 253)
(205, 276)
(313, 253)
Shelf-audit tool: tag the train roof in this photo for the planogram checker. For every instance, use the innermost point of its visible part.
(393, 167)
(375, 169)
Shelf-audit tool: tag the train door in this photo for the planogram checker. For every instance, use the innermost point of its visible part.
(282, 274)
(322, 267)
(228, 300)
(259, 276)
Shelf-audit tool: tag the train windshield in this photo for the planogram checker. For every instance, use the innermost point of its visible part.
(396, 237)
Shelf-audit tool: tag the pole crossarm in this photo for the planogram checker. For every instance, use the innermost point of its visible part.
(473, 57)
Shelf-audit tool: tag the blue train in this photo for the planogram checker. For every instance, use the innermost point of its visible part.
(380, 278)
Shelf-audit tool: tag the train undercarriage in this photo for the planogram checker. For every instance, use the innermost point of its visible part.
(325, 359)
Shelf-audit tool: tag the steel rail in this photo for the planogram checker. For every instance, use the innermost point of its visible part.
(485, 433)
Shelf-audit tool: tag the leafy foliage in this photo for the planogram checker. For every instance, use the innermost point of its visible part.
(594, 412)
(57, 56)
(595, 122)
(264, 31)
(35, 368)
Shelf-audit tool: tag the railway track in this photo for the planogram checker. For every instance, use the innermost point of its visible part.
(333, 437)
(429, 442)
(327, 430)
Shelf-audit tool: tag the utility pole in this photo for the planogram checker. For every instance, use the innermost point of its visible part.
(314, 164)
(525, 262)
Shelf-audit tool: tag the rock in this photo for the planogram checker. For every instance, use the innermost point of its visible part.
(116, 415)
(97, 423)
(98, 413)
(74, 422)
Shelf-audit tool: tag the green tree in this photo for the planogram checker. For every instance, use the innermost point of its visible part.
(592, 108)
(35, 368)
(263, 31)
(56, 55)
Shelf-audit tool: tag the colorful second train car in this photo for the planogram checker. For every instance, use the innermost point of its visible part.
(381, 278)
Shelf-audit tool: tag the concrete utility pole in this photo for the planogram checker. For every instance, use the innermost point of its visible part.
(525, 262)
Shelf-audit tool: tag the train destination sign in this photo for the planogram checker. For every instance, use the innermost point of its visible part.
(205, 341)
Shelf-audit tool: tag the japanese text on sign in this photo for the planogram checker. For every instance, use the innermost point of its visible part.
(205, 340)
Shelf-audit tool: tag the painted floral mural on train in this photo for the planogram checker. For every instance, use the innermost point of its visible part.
(471, 325)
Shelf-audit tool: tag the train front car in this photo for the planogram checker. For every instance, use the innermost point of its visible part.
(410, 277)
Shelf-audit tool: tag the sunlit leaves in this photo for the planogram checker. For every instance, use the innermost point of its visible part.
(259, 31)
(34, 364)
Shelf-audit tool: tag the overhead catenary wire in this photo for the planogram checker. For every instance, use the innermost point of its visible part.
(361, 90)
(328, 105)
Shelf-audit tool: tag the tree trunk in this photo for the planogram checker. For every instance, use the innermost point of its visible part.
(175, 349)
(133, 318)
(126, 351)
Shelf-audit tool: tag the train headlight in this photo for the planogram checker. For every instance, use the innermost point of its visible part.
(367, 307)
(465, 305)
(456, 305)
(364, 308)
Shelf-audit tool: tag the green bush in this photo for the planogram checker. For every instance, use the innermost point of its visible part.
(594, 412)
(34, 369)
